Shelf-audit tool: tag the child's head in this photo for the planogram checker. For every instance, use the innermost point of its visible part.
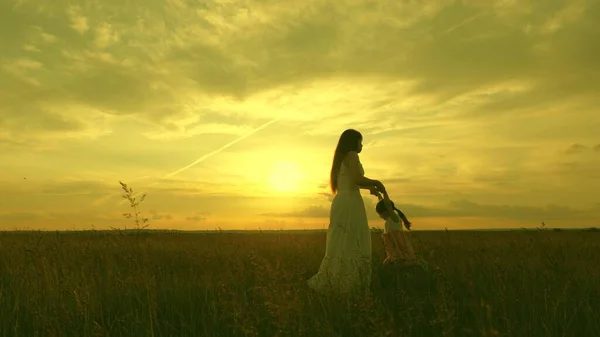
(382, 210)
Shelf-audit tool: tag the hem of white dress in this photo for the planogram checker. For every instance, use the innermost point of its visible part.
(342, 275)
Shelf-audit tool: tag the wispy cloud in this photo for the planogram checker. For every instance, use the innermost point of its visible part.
(576, 148)
(105, 36)
(78, 21)
(464, 209)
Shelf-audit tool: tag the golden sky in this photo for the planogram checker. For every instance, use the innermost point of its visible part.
(474, 113)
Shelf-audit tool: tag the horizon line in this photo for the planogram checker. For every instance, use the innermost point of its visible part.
(133, 230)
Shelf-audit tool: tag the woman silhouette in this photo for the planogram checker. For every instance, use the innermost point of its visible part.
(346, 267)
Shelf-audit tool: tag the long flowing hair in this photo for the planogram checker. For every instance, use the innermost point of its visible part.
(349, 141)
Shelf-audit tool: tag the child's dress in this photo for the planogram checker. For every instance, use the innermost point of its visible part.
(396, 243)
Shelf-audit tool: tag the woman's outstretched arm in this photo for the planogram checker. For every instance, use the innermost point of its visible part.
(358, 177)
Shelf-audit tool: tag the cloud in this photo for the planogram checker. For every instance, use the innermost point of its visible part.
(197, 217)
(105, 36)
(463, 208)
(8, 217)
(74, 187)
(31, 48)
(319, 211)
(68, 219)
(24, 65)
(309, 212)
(160, 216)
(569, 14)
(327, 195)
(37, 125)
(209, 52)
(78, 21)
(118, 89)
(576, 148)
(550, 212)
(187, 129)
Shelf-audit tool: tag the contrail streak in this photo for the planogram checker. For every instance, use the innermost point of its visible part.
(470, 19)
(103, 199)
(465, 22)
(208, 155)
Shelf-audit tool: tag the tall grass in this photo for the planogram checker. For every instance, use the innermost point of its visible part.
(138, 221)
(178, 284)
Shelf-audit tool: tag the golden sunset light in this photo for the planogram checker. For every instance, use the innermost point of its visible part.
(285, 177)
(474, 114)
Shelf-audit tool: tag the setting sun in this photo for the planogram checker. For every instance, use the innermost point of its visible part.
(285, 177)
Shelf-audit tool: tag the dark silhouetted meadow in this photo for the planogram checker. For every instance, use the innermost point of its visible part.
(537, 283)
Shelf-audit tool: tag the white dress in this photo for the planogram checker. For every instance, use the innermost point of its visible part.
(346, 267)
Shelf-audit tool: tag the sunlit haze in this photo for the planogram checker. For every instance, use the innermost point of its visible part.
(475, 114)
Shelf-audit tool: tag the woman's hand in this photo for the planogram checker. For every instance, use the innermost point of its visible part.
(374, 191)
(379, 186)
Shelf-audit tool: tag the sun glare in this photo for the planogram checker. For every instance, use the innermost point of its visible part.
(285, 177)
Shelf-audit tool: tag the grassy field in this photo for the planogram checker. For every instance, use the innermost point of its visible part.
(180, 284)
